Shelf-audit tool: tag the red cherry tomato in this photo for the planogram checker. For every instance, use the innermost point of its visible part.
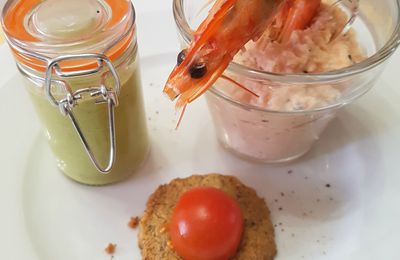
(206, 224)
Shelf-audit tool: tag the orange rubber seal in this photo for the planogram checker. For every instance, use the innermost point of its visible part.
(14, 28)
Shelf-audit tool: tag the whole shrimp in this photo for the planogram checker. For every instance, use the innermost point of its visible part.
(229, 25)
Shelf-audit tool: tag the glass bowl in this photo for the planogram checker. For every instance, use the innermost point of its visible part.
(268, 135)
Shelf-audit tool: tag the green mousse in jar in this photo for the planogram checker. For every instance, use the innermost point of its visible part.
(102, 90)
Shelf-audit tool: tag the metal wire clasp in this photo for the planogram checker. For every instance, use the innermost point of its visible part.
(102, 95)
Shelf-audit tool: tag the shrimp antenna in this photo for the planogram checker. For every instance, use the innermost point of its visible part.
(180, 117)
(239, 85)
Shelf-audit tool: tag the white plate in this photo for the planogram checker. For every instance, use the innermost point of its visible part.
(47, 216)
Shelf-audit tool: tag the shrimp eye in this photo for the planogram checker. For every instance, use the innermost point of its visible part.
(181, 57)
(197, 71)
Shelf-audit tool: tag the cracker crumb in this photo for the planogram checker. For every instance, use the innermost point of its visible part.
(169, 244)
(110, 249)
(164, 228)
(133, 222)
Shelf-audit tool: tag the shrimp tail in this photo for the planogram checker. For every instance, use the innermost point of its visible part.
(294, 15)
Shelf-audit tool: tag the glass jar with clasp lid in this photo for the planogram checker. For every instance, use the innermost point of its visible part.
(79, 62)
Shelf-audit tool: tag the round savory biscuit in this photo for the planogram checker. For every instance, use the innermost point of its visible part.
(258, 236)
